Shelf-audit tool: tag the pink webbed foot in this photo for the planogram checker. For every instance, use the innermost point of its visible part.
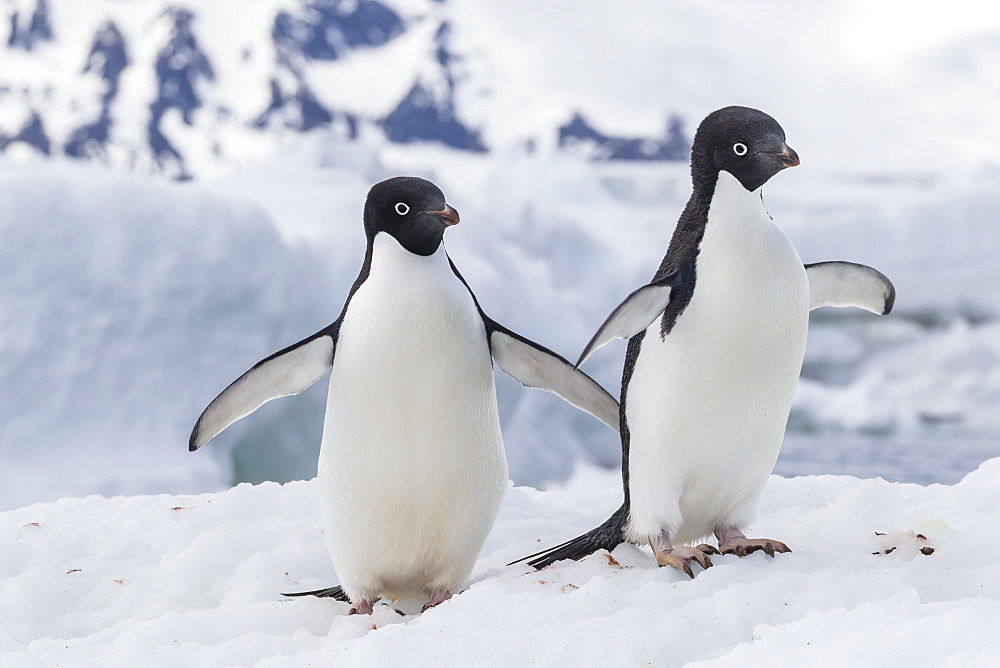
(681, 557)
(732, 541)
(436, 597)
(362, 607)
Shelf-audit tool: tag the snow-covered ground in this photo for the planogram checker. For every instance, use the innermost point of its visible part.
(880, 574)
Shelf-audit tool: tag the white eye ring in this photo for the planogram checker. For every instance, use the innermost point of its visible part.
(739, 149)
(402, 208)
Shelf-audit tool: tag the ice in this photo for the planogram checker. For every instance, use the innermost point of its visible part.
(123, 303)
(129, 304)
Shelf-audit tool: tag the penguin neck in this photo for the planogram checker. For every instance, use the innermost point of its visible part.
(720, 183)
(726, 199)
(385, 248)
(709, 185)
(389, 247)
(728, 191)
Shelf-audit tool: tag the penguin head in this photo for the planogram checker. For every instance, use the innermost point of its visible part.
(410, 209)
(745, 142)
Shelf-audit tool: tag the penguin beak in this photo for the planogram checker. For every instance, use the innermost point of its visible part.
(786, 155)
(447, 215)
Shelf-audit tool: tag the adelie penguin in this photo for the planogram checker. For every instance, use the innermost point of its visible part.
(716, 343)
(412, 466)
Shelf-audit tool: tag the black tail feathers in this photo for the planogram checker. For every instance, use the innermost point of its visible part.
(605, 537)
(332, 592)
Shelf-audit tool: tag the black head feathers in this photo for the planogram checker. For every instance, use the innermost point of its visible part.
(745, 142)
(412, 210)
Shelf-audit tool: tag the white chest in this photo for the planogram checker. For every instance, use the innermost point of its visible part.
(412, 453)
(751, 296)
(411, 324)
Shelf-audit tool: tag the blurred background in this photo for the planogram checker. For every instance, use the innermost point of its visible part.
(181, 186)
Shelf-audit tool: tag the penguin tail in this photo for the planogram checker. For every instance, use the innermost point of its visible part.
(332, 592)
(605, 537)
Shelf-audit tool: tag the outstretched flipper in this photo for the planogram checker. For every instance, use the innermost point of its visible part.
(608, 536)
(536, 366)
(286, 372)
(633, 315)
(849, 284)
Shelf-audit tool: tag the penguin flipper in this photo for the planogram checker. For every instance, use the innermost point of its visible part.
(633, 315)
(286, 372)
(849, 284)
(536, 366)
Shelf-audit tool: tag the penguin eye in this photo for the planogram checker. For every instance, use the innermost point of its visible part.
(402, 208)
(740, 149)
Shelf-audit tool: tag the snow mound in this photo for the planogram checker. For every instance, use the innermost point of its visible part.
(123, 305)
(881, 573)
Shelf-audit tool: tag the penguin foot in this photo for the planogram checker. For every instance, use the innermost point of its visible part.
(437, 597)
(681, 558)
(741, 547)
(732, 541)
(362, 607)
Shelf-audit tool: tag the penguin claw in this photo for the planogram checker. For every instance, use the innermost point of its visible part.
(681, 557)
(708, 549)
(741, 547)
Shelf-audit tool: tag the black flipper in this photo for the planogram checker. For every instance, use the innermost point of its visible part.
(608, 536)
(333, 592)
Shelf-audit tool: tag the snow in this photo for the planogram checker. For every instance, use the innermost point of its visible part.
(195, 580)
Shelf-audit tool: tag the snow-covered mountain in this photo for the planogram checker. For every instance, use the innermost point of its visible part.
(199, 87)
(188, 89)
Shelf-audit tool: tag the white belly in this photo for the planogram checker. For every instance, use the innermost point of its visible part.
(707, 406)
(412, 465)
